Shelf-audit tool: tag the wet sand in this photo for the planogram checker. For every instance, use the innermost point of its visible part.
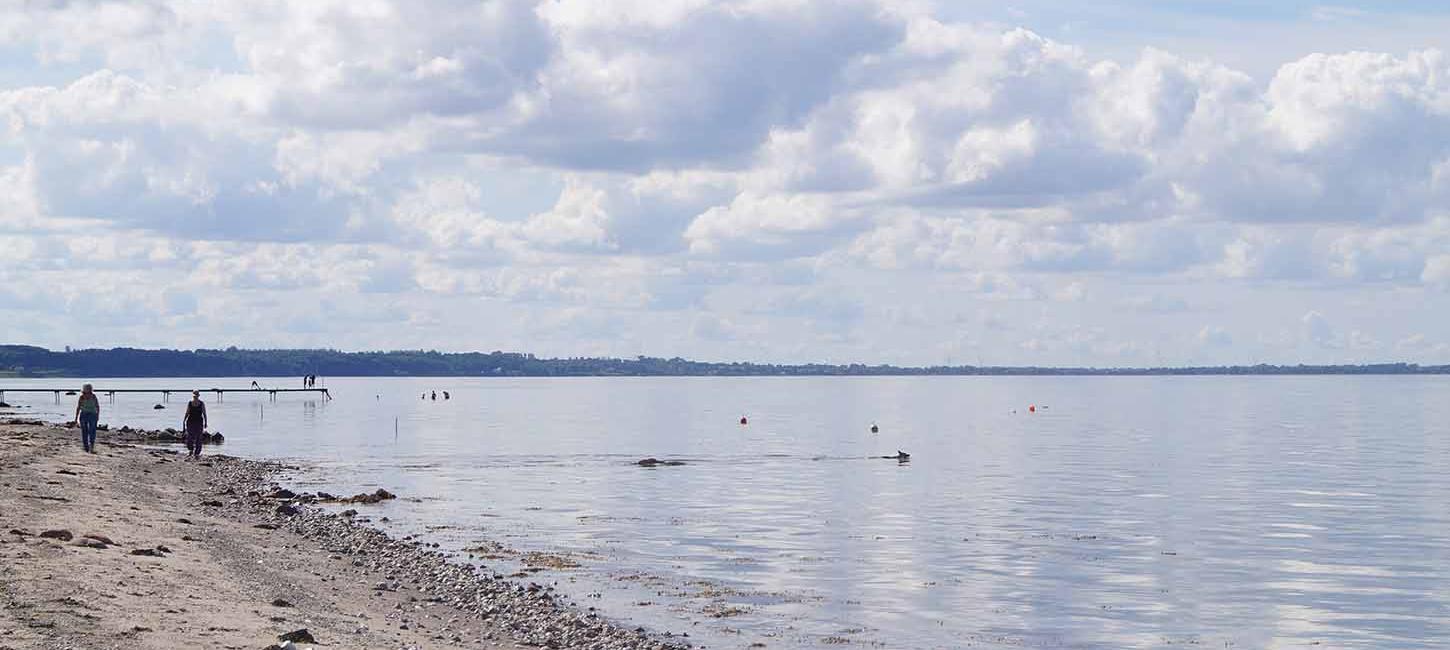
(134, 547)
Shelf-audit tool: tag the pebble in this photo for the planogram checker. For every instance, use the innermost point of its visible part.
(532, 617)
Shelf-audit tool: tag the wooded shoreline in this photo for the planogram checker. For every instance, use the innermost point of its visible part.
(31, 361)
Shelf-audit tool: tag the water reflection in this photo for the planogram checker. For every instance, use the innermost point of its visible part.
(1134, 512)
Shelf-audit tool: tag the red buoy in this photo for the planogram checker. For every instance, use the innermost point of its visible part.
(1032, 408)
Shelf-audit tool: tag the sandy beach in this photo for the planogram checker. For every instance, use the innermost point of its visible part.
(133, 547)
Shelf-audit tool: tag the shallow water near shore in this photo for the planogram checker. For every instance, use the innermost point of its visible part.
(1125, 512)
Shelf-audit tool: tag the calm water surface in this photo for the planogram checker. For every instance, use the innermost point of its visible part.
(1252, 512)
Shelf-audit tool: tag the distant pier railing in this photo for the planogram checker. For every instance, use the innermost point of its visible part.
(220, 393)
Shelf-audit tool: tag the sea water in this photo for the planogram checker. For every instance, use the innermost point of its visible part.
(1046, 512)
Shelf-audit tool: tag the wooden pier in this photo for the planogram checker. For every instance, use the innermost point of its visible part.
(165, 393)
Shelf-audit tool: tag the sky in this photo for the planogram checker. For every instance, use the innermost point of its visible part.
(1115, 183)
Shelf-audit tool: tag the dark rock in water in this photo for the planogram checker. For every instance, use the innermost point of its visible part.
(298, 636)
(349, 513)
(125, 429)
(217, 438)
(323, 496)
(158, 407)
(103, 427)
(282, 494)
(375, 497)
(655, 462)
(62, 535)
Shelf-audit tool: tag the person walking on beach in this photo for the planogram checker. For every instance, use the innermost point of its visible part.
(194, 423)
(88, 414)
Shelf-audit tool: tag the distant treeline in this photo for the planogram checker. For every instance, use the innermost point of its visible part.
(30, 361)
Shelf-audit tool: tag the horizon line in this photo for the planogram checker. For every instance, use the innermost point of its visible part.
(1009, 368)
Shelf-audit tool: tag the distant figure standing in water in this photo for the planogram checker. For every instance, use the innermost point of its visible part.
(88, 414)
(445, 394)
(194, 423)
(433, 395)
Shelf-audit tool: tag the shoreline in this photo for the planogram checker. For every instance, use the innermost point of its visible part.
(157, 552)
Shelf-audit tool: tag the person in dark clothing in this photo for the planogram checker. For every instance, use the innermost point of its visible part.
(88, 414)
(194, 423)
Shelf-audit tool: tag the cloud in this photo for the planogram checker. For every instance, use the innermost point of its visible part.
(641, 89)
(1214, 336)
(788, 225)
(1437, 271)
(850, 167)
(1316, 330)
